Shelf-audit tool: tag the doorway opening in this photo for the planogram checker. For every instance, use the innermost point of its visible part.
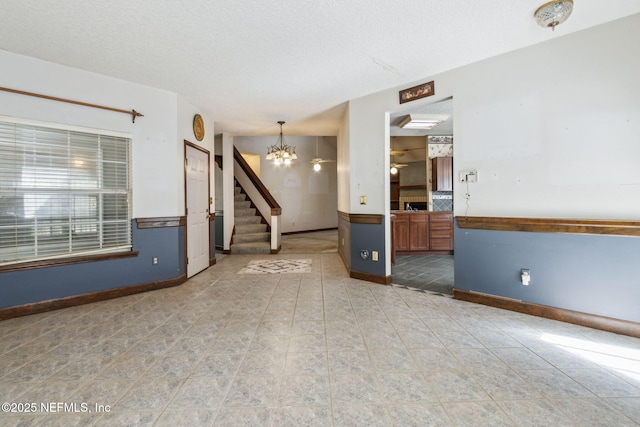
(421, 199)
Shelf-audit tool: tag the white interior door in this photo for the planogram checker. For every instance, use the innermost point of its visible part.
(197, 210)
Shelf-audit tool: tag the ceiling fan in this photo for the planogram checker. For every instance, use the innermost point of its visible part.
(397, 153)
(393, 167)
(318, 160)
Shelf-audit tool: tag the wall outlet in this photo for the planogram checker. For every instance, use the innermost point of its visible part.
(363, 200)
(154, 260)
(374, 255)
(525, 276)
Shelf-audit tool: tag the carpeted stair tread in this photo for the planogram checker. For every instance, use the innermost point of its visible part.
(250, 234)
(244, 204)
(243, 220)
(251, 248)
(245, 212)
(251, 237)
(250, 228)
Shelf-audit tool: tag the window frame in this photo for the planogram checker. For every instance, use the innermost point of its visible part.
(91, 254)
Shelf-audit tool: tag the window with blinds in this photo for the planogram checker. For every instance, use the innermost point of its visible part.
(63, 192)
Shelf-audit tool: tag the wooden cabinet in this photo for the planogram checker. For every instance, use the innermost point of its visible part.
(442, 174)
(441, 231)
(401, 232)
(422, 231)
(394, 191)
(418, 232)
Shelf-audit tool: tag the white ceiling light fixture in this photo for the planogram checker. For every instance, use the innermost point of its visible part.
(553, 13)
(422, 121)
(281, 152)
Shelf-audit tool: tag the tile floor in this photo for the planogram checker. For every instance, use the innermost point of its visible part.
(311, 349)
(433, 273)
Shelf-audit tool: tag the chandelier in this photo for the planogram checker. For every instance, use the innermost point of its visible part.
(553, 13)
(281, 152)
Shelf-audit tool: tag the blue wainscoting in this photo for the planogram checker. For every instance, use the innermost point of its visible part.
(358, 232)
(589, 273)
(167, 243)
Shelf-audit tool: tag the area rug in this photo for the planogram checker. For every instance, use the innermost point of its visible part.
(277, 266)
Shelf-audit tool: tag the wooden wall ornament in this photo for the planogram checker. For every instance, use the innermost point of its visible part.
(198, 127)
(416, 92)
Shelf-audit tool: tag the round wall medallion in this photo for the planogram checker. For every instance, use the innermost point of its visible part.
(198, 127)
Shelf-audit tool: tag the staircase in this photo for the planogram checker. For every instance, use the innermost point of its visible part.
(250, 234)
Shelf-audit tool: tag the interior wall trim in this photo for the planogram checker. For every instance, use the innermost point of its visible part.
(383, 280)
(551, 225)
(56, 304)
(361, 218)
(608, 324)
(57, 262)
(161, 222)
(309, 231)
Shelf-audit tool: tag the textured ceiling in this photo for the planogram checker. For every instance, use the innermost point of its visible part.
(251, 63)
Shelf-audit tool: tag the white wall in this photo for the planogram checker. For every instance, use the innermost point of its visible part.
(157, 181)
(308, 199)
(219, 189)
(556, 133)
(343, 166)
(552, 130)
(186, 112)
(227, 189)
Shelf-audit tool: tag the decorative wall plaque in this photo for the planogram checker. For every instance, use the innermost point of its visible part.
(198, 127)
(417, 92)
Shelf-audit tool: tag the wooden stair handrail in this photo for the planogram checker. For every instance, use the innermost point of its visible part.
(266, 195)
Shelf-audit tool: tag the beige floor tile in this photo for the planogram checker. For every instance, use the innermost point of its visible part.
(318, 348)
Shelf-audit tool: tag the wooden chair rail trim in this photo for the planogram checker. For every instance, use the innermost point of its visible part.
(361, 218)
(551, 225)
(57, 262)
(161, 222)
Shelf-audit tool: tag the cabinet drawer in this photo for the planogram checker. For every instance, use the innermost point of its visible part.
(438, 225)
(441, 244)
(442, 217)
(441, 234)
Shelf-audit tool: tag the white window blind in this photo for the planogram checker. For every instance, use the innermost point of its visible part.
(63, 192)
